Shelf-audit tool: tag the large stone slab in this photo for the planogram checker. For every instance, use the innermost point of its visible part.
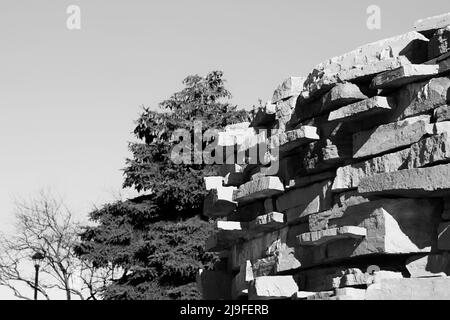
(431, 181)
(259, 189)
(391, 136)
(292, 86)
(274, 287)
(289, 140)
(340, 95)
(432, 23)
(320, 237)
(300, 202)
(421, 97)
(431, 265)
(440, 43)
(427, 151)
(367, 61)
(404, 75)
(410, 289)
(394, 226)
(219, 202)
(358, 110)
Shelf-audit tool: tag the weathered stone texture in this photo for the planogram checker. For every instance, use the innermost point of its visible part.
(425, 152)
(258, 189)
(431, 181)
(391, 136)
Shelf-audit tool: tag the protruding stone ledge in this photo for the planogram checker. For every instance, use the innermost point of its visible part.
(358, 110)
(431, 24)
(430, 181)
(404, 75)
(275, 287)
(323, 236)
(391, 136)
(268, 222)
(287, 141)
(262, 188)
(427, 151)
(367, 60)
(292, 86)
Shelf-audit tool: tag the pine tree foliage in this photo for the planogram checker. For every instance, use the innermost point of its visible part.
(158, 240)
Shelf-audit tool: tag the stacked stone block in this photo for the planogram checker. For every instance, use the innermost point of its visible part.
(358, 207)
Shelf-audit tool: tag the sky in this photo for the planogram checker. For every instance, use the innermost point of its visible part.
(68, 98)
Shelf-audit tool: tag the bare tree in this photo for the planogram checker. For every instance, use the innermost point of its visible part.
(46, 225)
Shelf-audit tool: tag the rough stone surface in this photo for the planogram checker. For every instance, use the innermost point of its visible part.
(421, 97)
(284, 111)
(340, 95)
(404, 75)
(429, 265)
(368, 60)
(394, 226)
(292, 86)
(258, 189)
(361, 109)
(430, 181)
(316, 238)
(410, 289)
(300, 202)
(425, 152)
(391, 136)
(432, 23)
(275, 287)
(286, 141)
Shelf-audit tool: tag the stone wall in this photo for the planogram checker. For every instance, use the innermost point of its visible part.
(355, 203)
